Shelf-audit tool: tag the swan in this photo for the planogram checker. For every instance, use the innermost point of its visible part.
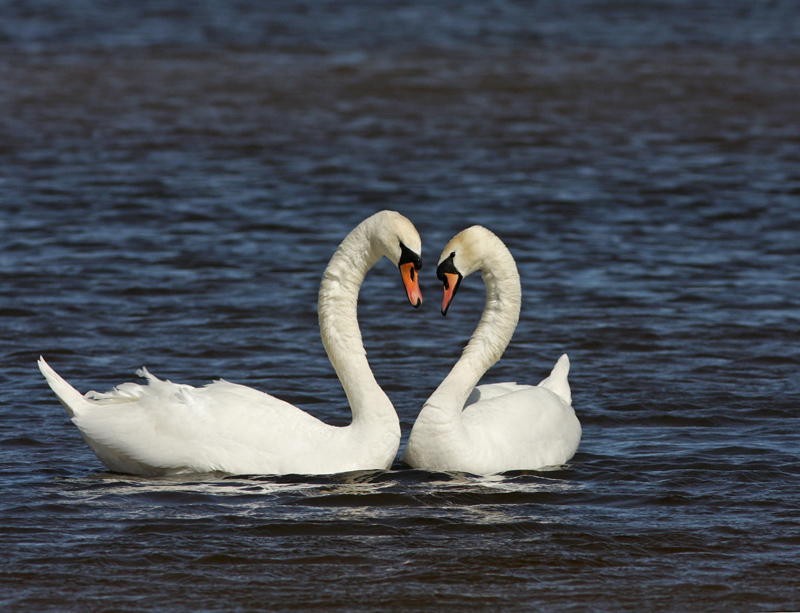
(502, 426)
(163, 428)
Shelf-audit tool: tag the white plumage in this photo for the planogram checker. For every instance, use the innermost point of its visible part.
(165, 428)
(496, 427)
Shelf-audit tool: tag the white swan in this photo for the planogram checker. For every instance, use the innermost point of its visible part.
(498, 427)
(163, 428)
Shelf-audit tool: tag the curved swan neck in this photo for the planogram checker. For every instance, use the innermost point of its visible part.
(493, 333)
(341, 336)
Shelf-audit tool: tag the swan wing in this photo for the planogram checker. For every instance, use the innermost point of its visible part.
(526, 428)
(485, 392)
(558, 381)
(167, 428)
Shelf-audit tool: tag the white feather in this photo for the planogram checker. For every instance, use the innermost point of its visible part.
(165, 428)
(502, 426)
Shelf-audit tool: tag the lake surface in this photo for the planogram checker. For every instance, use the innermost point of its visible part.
(174, 178)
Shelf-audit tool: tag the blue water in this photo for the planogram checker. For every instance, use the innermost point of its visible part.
(174, 178)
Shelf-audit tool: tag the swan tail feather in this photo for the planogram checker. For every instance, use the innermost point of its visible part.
(71, 399)
(557, 381)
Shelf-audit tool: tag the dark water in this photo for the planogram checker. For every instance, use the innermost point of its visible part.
(174, 177)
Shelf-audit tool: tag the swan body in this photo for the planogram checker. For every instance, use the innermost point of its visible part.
(495, 427)
(164, 428)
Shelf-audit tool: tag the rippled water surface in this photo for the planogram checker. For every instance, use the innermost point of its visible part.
(174, 178)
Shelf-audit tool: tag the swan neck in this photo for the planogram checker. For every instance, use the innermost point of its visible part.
(341, 335)
(491, 336)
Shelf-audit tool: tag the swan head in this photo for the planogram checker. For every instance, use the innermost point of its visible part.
(464, 254)
(399, 241)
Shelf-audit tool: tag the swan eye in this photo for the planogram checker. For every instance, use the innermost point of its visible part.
(447, 266)
(406, 256)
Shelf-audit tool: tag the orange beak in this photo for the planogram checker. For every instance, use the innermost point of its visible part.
(451, 281)
(411, 281)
